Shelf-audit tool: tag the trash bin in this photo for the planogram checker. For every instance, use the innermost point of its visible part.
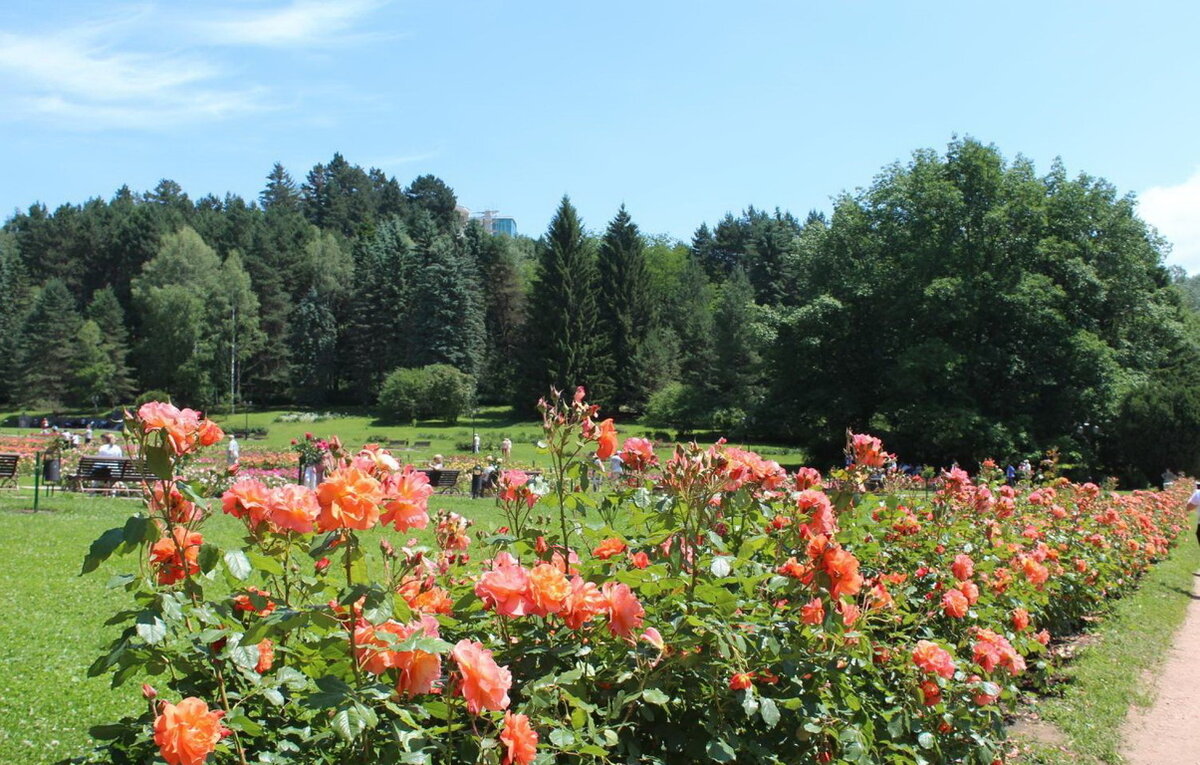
(476, 483)
(51, 469)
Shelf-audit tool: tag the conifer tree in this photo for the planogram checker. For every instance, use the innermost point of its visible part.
(105, 311)
(562, 348)
(447, 313)
(47, 349)
(624, 304)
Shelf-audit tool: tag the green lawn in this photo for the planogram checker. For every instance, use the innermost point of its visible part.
(52, 628)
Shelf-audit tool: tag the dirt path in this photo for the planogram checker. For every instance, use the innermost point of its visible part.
(1169, 731)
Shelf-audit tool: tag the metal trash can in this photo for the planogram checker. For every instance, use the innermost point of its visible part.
(476, 483)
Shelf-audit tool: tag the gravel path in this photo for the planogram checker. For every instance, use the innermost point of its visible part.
(1169, 731)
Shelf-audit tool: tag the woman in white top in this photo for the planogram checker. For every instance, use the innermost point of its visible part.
(109, 447)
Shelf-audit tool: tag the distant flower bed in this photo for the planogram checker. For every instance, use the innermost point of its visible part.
(307, 417)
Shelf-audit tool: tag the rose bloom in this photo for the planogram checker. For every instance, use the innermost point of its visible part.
(963, 567)
(639, 560)
(606, 440)
(842, 568)
(981, 696)
(868, 450)
(426, 600)
(934, 659)
(485, 684)
(992, 650)
(266, 656)
(850, 613)
(184, 429)
(406, 499)
(608, 548)
(807, 478)
(418, 670)
(1020, 619)
(971, 591)
(584, 603)
(175, 507)
(177, 556)
(243, 602)
(638, 454)
(815, 504)
(813, 612)
(548, 588)
(519, 739)
(741, 681)
(624, 611)
(513, 486)
(293, 507)
(931, 694)
(187, 732)
(505, 588)
(349, 499)
(249, 500)
(955, 604)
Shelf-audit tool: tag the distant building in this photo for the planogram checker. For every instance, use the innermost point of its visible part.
(496, 224)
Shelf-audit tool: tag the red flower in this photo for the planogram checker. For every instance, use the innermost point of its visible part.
(606, 440)
(177, 556)
(741, 681)
(962, 567)
(813, 612)
(1020, 619)
(638, 454)
(842, 568)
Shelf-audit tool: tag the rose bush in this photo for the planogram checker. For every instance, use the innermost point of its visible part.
(712, 608)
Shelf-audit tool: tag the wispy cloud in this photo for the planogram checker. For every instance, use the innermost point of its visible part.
(301, 22)
(1175, 212)
(147, 67)
(402, 159)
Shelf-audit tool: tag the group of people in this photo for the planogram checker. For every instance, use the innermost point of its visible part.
(1024, 472)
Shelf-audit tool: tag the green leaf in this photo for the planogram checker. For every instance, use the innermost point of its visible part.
(769, 712)
(151, 627)
(107, 732)
(158, 460)
(101, 549)
(238, 564)
(274, 696)
(656, 697)
(209, 555)
(265, 564)
(348, 723)
(120, 580)
(135, 530)
(925, 740)
(562, 737)
(719, 751)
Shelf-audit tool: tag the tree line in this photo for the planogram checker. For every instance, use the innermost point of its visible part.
(961, 305)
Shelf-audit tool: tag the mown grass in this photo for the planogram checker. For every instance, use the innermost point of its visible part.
(1109, 674)
(52, 623)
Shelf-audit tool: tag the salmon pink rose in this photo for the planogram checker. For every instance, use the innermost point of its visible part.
(519, 739)
(638, 454)
(933, 659)
(406, 499)
(177, 556)
(624, 611)
(349, 499)
(484, 684)
(293, 507)
(187, 732)
(505, 588)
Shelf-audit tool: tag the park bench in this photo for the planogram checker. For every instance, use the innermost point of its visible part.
(396, 443)
(444, 481)
(8, 470)
(422, 444)
(99, 474)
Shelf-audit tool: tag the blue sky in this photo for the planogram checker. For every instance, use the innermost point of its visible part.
(680, 110)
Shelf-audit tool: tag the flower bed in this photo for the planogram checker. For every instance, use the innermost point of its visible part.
(725, 610)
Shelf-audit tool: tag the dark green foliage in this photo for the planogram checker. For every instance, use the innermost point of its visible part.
(437, 391)
(378, 331)
(497, 262)
(313, 342)
(624, 306)
(113, 343)
(47, 350)
(562, 346)
(446, 309)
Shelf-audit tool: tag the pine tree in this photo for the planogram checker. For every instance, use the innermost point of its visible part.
(314, 349)
(625, 310)
(496, 261)
(47, 350)
(14, 302)
(561, 342)
(105, 311)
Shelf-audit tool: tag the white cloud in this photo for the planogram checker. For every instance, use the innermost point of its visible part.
(1175, 212)
(73, 79)
(301, 22)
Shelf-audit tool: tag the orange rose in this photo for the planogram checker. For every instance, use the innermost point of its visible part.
(177, 556)
(638, 454)
(183, 429)
(842, 568)
(187, 732)
(955, 604)
(418, 670)
(933, 659)
(608, 548)
(519, 739)
(243, 602)
(406, 499)
(293, 507)
(548, 588)
(624, 611)
(266, 656)
(813, 612)
(249, 500)
(963, 567)
(606, 441)
(349, 499)
(485, 684)
(583, 604)
(741, 681)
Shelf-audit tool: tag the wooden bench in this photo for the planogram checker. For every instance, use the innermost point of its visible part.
(97, 474)
(422, 444)
(8, 470)
(393, 443)
(444, 481)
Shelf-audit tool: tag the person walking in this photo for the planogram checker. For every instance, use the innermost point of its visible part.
(234, 452)
(506, 449)
(1193, 503)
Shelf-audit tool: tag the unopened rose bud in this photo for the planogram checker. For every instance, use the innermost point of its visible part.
(321, 565)
(387, 549)
(148, 692)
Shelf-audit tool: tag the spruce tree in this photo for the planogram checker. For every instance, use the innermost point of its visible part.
(47, 350)
(447, 312)
(280, 192)
(105, 311)
(561, 342)
(624, 304)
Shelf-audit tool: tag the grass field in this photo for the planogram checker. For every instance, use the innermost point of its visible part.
(52, 628)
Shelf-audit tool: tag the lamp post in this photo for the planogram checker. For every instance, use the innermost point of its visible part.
(1089, 433)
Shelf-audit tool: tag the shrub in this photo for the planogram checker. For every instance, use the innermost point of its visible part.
(152, 395)
(437, 391)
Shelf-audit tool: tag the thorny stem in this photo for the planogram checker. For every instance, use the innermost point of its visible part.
(237, 741)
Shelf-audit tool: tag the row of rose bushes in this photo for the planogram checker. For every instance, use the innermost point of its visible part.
(715, 608)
